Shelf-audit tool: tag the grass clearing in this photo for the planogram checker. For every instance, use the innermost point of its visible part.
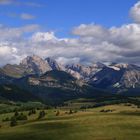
(90, 125)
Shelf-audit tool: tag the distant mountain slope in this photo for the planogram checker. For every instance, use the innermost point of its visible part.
(5, 79)
(15, 70)
(106, 77)
(35, 64)
(47, 78)
(117, 77)
(53, 64)
(31, 65)
(86, 71)
(14, 93)
(56, 86)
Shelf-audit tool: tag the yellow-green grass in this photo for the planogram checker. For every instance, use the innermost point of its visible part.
(118, 108)
(83, 125)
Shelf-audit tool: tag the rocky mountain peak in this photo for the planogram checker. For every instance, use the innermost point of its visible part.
(35, 64)
(53, 64)
(118, 76)
(126, 66)
(97, 65)
(85, 71)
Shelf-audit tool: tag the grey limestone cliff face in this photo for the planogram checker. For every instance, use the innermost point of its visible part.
(130, 78)
(35, 64)
(53, 64)
(84, 71)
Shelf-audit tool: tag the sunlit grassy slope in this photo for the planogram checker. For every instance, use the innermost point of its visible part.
(121, 124)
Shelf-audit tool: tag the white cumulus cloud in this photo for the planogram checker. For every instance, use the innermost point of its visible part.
(93, 42)
(135, 12)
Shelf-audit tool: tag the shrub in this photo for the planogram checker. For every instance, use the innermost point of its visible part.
(33, 111)
(57, 113)
(16, 113)
(107, 110)
(70, 112)
(13, 121)
(41, 114)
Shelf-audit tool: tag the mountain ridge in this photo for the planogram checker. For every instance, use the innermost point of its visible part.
(115, 78)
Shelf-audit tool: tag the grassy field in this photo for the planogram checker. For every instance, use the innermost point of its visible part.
(123, 123)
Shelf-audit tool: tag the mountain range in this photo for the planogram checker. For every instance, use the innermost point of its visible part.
(49, 81)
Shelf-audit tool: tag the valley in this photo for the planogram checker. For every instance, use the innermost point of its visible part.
(41, 99)
(69, 69)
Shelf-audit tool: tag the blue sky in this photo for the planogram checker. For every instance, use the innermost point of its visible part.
(70, 31)
(62, 15)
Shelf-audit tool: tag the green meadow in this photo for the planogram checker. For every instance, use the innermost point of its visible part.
(121, 123)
